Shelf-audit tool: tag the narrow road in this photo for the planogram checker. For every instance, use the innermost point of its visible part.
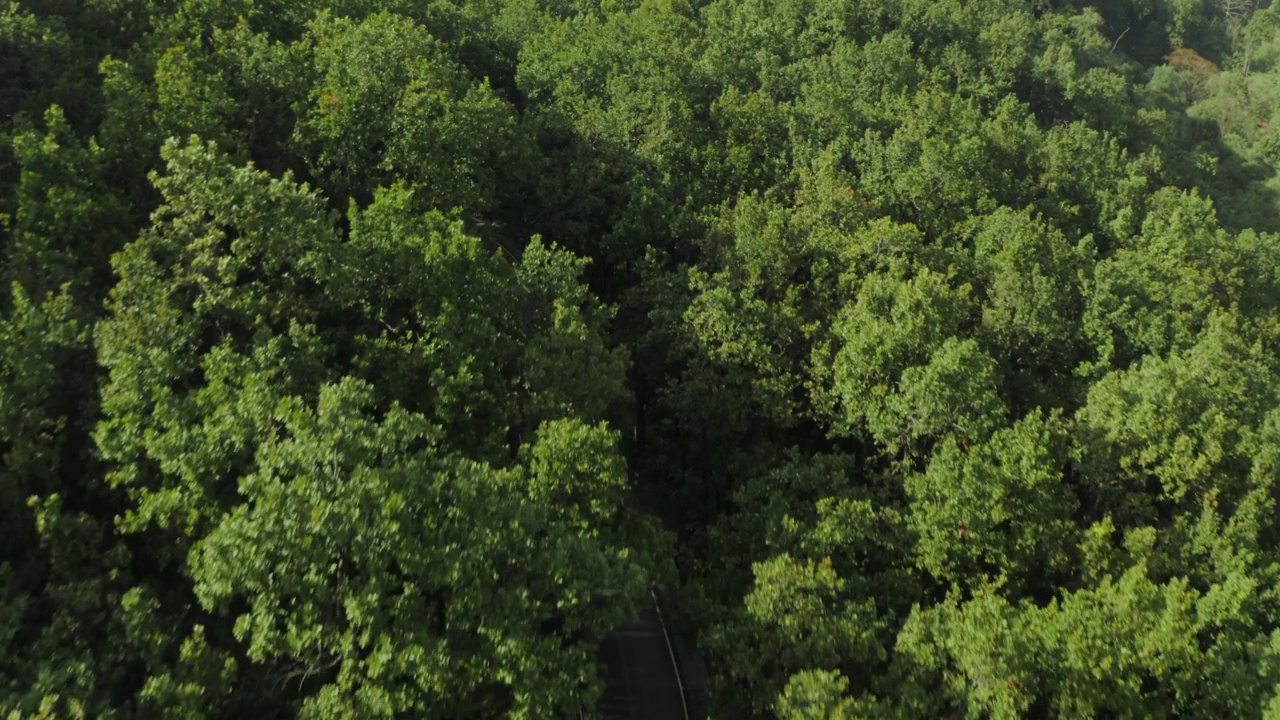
(640, 678)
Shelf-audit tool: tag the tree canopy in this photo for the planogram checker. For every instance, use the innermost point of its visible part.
(375, 358)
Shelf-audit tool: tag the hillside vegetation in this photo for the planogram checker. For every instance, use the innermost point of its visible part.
(374, 358)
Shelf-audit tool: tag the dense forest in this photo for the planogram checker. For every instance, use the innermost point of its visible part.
(374, 358)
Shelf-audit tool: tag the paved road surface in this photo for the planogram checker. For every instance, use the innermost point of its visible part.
(640, 681)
